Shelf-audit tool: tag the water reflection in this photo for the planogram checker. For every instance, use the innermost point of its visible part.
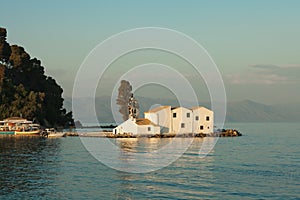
(150, 154)
(188, 177)
(27, 163)
(127, 144)
(141, 144)
(247, 167)
(137, 155)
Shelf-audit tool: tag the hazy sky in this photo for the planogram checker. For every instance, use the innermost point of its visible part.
(255, 44)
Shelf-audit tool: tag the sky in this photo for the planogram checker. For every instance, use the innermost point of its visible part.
(255, 44)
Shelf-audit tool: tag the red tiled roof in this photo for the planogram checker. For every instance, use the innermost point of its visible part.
(143, 121)
(200, 107)
(178, 107)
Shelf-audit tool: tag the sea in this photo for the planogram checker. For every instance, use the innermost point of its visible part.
(264, 163)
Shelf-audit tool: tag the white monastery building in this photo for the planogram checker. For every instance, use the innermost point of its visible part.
(182, 120)
(167, 119)
(137, 127)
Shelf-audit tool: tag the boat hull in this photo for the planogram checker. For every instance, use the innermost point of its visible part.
(56, 134)
(7, 133)
(37, 132)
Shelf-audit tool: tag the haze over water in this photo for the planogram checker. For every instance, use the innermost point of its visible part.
(262, 164)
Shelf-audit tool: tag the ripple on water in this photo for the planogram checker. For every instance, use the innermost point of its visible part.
(255, 166)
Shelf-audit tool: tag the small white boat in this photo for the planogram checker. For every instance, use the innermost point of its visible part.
(51, 132)
(57, 134)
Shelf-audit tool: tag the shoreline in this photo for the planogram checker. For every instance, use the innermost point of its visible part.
(109, 134)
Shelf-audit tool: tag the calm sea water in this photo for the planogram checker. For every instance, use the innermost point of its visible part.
(262, 164)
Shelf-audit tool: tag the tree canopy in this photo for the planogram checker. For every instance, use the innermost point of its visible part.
(26, 91)
(123, 98)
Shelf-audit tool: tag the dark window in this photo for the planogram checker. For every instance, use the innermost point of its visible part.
(188, 115)
(182, 125)
(201, 127)
(197, 118)
(174, 115)
(208, 127)
(207, 118)
(149, 128)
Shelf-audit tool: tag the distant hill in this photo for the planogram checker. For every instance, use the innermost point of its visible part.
(251, 111)
(103, 107)
(240, 111)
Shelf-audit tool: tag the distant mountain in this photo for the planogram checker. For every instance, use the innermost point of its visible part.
(239, 111)
(251, 111)
(103, 107)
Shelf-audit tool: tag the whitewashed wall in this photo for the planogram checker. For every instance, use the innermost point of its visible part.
(143, 130)
(129, 126)
(208, 125)
(181, 118)
(162, 117)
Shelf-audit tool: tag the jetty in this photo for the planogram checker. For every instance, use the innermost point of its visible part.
(219, 133)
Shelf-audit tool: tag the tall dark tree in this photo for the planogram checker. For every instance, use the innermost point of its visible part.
(123, 98)
(5, 52)
(26, 90)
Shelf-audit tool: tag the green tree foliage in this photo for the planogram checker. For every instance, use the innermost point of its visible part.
(26, 91)
(5, 50)
(25, 103)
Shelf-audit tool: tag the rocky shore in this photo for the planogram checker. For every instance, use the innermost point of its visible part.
(219, 133)
(109, 134)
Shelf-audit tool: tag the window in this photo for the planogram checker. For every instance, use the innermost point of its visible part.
(201, 127)
(207, 118)
(197, 118)
(188, 115)
(174, 115)
(149, 128)
(182, 125)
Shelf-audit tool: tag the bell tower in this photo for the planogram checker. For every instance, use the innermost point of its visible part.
(133, 108)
